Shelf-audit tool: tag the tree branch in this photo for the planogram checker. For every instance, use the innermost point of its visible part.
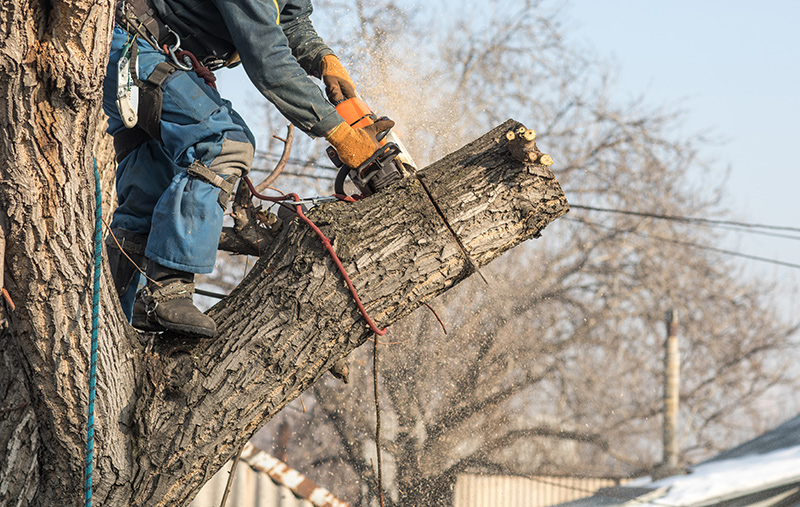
(287, 150)
(291, 318)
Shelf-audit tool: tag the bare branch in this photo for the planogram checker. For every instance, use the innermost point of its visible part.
(287, 149)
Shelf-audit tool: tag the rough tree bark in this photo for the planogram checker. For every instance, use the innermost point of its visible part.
(169, 413)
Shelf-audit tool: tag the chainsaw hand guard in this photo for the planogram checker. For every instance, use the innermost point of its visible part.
(383, 167)
(377, 172)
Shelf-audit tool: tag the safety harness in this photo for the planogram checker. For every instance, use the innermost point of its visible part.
(151, 98)
(139, 18)
(225, 185)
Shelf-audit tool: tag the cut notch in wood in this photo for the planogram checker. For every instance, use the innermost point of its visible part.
(470, 260)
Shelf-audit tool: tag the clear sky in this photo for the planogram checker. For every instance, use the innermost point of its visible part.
(733, 66)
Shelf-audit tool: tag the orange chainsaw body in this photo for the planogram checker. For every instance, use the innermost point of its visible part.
(382, 168)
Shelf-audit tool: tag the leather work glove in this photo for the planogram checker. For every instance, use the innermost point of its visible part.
(338, 85)
(355, 146)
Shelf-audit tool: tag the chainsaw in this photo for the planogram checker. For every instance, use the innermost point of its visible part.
(390, 162)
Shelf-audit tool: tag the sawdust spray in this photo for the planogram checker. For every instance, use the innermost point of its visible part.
(398, 79)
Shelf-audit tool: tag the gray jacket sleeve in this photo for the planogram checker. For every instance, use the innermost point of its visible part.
(279, 48)
(307, 46)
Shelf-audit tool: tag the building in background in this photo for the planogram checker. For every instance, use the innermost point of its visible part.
(261, 480)
(507, 491)
(762, 472)
(253, 488)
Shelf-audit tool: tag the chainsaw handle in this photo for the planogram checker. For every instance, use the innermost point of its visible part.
(338, 185)
(383, 133)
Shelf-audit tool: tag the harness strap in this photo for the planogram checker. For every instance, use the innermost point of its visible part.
(127, 140)
(126, 257)
(151, 96)
(151, 297)
(139, 15)
(128, 241)
(199, 170)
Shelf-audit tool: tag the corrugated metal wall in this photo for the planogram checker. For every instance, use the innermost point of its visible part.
(255, 489)
(249, 489)
(504, 491)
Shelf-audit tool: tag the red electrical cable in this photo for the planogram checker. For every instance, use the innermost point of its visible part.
(327, 244)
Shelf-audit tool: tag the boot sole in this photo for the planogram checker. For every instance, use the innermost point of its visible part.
(148, 327)
(199, 332)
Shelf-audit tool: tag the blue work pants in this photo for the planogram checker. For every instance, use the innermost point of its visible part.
(179, 212)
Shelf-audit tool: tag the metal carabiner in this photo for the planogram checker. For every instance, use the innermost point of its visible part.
(171, 50)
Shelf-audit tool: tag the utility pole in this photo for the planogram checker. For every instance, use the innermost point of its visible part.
(672, 379)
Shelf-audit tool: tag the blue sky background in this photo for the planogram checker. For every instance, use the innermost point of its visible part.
(732, 66)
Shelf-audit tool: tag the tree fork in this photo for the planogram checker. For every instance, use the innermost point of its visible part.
(167, 419)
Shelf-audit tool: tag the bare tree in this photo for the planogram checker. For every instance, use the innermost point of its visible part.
(555, 366)
(170, 411)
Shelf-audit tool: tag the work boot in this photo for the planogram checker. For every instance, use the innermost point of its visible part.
(139, 319)
(165, 303)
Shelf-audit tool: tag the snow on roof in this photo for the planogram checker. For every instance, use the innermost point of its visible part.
(714, 481)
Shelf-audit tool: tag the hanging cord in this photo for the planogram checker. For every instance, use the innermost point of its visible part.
(437, 317)
(326, 243)
(8, 299)
(201, 70)
(5, 293)
(230, 477)
(119, 246)
(377, 418)
(98, 252)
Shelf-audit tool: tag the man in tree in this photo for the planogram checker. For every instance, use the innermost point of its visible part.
(178, 163)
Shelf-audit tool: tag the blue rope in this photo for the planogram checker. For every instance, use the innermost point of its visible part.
(98, 237)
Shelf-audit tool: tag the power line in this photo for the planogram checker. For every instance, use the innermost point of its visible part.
(731, 225)
(760, 233)
(301, 162)
(695, 220)
(727, 252)
(693, 245)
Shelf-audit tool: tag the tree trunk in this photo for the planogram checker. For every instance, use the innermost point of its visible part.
(169, 414)
(52, 61)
